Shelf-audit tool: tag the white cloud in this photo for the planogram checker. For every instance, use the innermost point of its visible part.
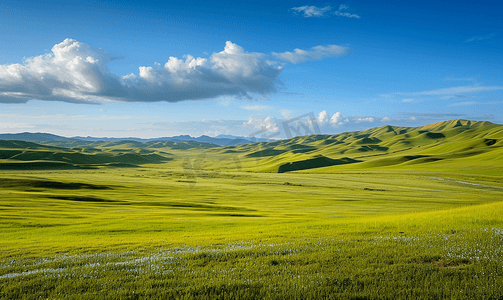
(385, 119)
(366, 119)
(345, 14)
(480, 38)
(316, 53)
(74, 72)
(335, 119)
(322, 118)
(312, 11)
(269, 123)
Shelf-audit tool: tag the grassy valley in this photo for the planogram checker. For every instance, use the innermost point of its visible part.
(386, 213)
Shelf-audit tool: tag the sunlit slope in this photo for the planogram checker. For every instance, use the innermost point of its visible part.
(446, 146)
(17, 155)
(452, 144)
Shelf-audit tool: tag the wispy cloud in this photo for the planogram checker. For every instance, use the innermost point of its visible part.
(312, 11)
(480, 38)
(257, 107)
(286, 113)
(461, 79)
(453, 90)
(65, 117)
(11, 127)
(346, 14)
(365, 119)
(315, 53)
(341, 12)
(466, 103)
(431, 115)
(448, 97)
(291, 93)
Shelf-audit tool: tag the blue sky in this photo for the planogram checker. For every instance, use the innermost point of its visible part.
(163, 68)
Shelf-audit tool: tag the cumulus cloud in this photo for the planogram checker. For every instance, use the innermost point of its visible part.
(322, 118)
(385, 119)
(315, 53)
(312, 11)
(74, 72)
(335, 119)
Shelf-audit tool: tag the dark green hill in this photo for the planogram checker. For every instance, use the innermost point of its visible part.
(16, 155)
(24, 145)
(451, 145)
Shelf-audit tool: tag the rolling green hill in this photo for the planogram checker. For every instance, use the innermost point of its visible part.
(450, 146)
(456, 144)
(20, 155)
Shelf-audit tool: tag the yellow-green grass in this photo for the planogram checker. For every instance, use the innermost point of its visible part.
(420, 220)
(164, 231)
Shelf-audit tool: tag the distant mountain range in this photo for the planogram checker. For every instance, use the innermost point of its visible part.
(220, 140)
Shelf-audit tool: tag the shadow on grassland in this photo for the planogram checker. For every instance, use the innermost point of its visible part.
(49, 184)
(313, 163)
(82, 198)
(41, 165)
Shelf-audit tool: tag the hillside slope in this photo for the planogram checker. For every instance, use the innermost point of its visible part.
(450, 144)
(17, 155)
(456, 145)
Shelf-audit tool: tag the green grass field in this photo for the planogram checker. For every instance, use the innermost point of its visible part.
(388, 213)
